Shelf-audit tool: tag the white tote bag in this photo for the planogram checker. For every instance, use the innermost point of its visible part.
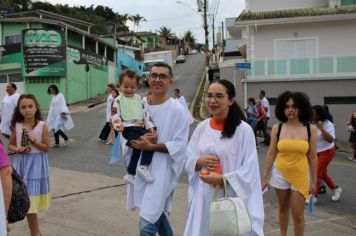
(228, 215)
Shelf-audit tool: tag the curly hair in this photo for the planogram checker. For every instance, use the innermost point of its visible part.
(17, 117)
(320, 113)
(301, 102)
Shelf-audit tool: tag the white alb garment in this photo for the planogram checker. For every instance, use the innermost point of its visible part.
(265, 103)
(58, 105)
(109, 102)
(239, 163)
(7, 110)
(172, 130)
(183, 102)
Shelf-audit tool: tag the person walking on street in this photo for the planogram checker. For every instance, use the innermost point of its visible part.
(292, 158)
(252, 114)
(224, 141)
(7, 109)
(265, 105)
(326, 151)
(181, 99)
(169, 147)
(261, 121)
(351, 127)
(104, 134)
(58, 104)
(6, 180)
(30, 141)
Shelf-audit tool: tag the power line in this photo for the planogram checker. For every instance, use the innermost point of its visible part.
(168, 18)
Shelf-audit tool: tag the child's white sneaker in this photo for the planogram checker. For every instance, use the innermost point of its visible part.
(129, 179)
(145, 173)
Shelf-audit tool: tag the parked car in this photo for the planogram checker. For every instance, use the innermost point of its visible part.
(194, 51)
(180, 59)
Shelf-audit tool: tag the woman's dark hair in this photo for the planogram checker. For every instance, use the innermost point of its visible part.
(327, 113)
(18, 117)
(353, 120)
(301, 102)
(235, 114)
(252, 100)
(320, 113)
(54, 87)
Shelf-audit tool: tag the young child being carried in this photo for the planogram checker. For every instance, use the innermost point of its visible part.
(132, 119)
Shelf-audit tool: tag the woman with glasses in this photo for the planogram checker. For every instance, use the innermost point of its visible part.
(225, 140)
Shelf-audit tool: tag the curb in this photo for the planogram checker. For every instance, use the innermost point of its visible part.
(193, 103)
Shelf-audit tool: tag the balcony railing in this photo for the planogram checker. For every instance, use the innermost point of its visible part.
(321, 67)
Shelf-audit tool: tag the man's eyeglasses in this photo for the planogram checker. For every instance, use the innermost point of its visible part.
(159, 76)
(218, 97)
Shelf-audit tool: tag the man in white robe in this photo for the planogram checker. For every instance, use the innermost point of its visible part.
(181, 99)
(239, 163)
(7, 109)
(154, 199)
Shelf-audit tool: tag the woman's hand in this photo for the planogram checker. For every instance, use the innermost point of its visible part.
(212, 178)
(265, 184)
(312, 188)
(209, 161)
(320, 124)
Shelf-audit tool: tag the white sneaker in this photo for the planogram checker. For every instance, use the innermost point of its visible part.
(145, 173)
(336, 194)
(129, 179)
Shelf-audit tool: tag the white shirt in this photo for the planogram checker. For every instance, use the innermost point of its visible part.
(322, 144)
(172, 130)
(239, 163)
(7, 110)
(265, 103)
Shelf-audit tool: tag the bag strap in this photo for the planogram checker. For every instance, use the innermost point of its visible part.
(279, 131)
(309, 133)
(217, 187)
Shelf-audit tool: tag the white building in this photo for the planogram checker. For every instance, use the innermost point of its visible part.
(298, 45)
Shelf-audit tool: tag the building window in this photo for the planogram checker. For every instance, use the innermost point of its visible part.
(3, 79)
(15, 78)
(339, 100)
(43, 80)
(347, 2)
(13, 39)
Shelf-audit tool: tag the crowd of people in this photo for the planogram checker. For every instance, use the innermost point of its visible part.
(157, 149)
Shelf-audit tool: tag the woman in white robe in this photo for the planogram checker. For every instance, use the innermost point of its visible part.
(7, 109)
(225, 140)
(58, 105)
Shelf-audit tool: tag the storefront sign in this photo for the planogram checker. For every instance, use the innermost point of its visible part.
(81, 56)
(43, 53)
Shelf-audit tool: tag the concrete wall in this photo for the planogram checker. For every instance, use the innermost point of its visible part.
(263, 5)
(333, 37)
(317, 90)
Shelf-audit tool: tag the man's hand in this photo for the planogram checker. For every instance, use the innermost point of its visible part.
(151, 136)
(143, 143)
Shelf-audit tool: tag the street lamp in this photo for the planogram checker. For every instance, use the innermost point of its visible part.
(185, 4)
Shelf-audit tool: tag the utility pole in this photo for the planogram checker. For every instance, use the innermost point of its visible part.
(213, 31)
(206, 33)
(222, 37)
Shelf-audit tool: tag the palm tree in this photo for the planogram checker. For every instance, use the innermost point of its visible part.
(164, 31)
(137, 19)
(189, 38)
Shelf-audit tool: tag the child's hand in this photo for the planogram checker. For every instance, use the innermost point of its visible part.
(24, 150)
(117, 125)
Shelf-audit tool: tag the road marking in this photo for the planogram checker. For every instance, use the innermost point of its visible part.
(310, 223)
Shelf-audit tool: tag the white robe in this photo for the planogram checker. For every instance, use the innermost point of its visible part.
(7, 109)
(239, 163)
(109, 102)
(172, 130)
(58, 105)
(183, 102)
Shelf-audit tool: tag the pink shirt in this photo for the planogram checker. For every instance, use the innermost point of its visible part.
(4, 159)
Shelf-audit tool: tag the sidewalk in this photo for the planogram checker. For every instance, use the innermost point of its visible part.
(90, 204)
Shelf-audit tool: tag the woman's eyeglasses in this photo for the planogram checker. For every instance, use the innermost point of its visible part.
(218, 97)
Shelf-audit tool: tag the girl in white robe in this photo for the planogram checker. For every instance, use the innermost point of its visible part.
(7, 109)
(236, 154)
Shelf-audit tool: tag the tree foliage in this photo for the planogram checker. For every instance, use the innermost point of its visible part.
(189, 38)
(165, 31)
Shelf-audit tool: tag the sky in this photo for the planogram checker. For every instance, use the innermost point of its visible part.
(178, 17)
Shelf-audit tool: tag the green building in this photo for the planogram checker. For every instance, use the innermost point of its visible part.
(40, 48)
